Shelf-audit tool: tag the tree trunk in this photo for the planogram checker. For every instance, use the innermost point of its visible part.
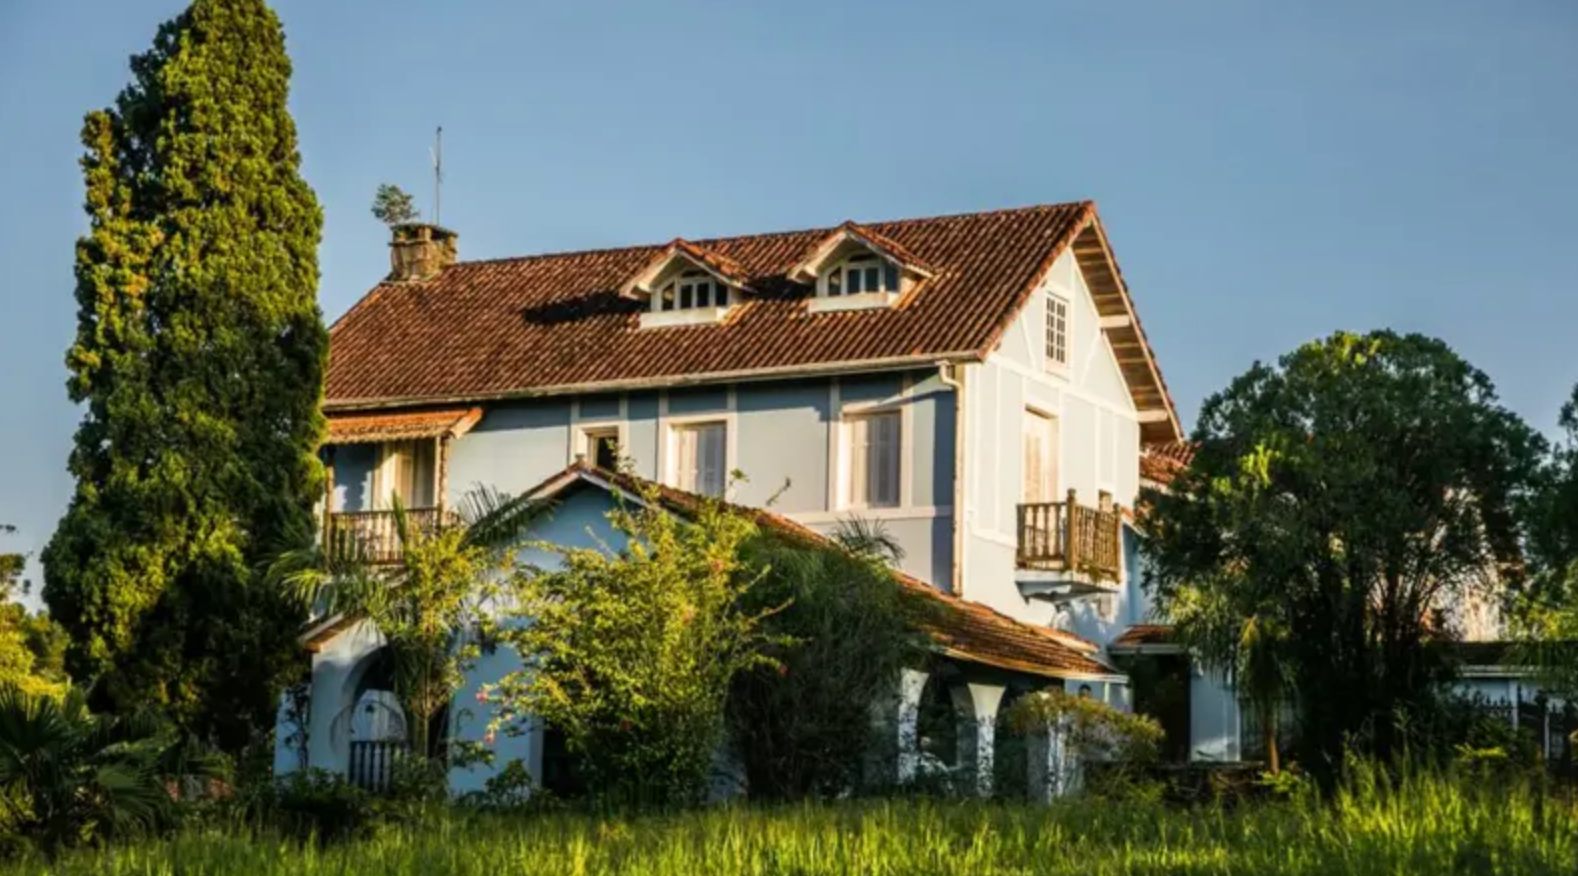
(1268, 726)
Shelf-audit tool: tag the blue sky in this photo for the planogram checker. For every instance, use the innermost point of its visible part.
(1269, 171)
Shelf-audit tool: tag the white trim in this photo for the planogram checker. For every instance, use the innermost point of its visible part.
(1069, 388)
(913, 512)
(860, 301)
(692, 316)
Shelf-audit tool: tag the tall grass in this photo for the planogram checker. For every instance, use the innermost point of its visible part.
(1425, 825)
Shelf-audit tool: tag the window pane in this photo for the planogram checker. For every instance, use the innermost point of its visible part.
(874, 460)
(668, 297)
(1057, 330)
(854, 282)
(872, 274)
(703, 294)
(892, 279)
(711, 462)
(685, 292)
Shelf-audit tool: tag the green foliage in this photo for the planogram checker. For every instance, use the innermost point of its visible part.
(435, 608)
(803, 727)
(1091, 729)
(32, 646)
(199, 360)
(392, 206)
(631, 654)
(1419, 824)
(1353, 497)
(1545, 618)
(68, 776)
(312, 804)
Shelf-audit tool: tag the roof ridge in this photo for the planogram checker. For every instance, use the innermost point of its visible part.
(826, 229)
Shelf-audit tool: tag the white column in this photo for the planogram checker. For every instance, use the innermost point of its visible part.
(1054, 771)
(907, 724)
(976, 708)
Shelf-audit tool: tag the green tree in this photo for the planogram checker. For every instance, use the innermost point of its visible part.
(631, 654)
(804, 727)
(435, 608)
(199, 359)
(392, 206)
(32, 646)
(1353, 497)
(1546, 614)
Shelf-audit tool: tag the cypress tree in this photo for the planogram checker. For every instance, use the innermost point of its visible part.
(199, 358)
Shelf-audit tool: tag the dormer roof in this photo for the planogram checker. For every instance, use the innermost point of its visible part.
(677, 255)
(849, 236)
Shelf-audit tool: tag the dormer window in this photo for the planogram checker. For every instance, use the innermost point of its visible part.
(686, 285)
(691, 290)
(861, 276)
(855, 268)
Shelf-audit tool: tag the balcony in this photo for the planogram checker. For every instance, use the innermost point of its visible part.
(371, 535)
(1067, 550)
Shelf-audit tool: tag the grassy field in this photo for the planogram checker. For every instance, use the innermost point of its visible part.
(1427, 826)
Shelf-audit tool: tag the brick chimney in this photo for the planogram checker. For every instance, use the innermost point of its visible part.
(419, 251)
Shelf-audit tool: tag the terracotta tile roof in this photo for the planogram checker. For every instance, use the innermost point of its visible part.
(961, 629)
(554, 324)
(362, 428)
(1161, 462)
(1143, 634)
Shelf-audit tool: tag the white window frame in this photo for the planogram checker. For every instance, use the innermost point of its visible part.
(827, 301)
(385, 476)
(841, 468)
(656, 317)
(852, 463)
(587, 435)
(672, 426)
(1057, 305)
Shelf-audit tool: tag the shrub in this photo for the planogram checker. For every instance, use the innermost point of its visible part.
(1091, 731)
(804, 726)
(631, 654)
(313, 804)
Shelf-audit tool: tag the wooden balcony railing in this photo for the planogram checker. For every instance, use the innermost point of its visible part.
(371, 535)
(1070, 537)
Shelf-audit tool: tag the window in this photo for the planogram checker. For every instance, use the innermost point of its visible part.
(874, 460)
(861, 276)
(692, 290)
(602, 447)
(1057, 330)
(699, 458)
(405, 469)
(1040, 465)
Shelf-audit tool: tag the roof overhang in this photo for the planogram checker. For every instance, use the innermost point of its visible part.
(679, 255)
(369, 428)
(850, 236)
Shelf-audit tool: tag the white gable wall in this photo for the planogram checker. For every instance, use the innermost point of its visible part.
(1098, 434)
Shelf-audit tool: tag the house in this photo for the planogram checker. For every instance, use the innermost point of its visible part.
(979, 384)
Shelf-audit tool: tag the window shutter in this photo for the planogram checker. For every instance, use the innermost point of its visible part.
(685, 459)
(711, 463)
(858, 461)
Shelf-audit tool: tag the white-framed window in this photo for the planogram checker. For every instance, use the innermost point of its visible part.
(691, 290)
(1056, 330)
(1040, 458)
(407, 469)
(873, 457)
(861, 275)
(600, 446)
(700, 457)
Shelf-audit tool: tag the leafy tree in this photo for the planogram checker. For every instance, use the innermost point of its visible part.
(392, 206)
(199, 358)
(1353, 497)
(32, 647)
(69, 776)
(1546, 615)
(631, 654)
(846, 629)
(435, 608)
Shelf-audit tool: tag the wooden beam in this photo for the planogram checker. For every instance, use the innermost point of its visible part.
(1116, 322)
(1155, 415)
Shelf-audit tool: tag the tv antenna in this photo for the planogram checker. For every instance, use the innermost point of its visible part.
(438, 170)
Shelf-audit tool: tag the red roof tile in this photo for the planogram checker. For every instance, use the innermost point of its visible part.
(362, 428)
(1143, 634)
(557, 323)
(1161, 462)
